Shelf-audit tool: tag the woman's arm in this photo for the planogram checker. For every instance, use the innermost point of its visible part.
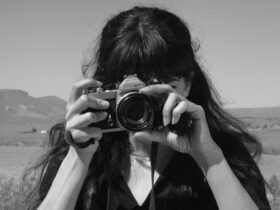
(69, 180)
(73, 170)
(198, 142)
(227, 189)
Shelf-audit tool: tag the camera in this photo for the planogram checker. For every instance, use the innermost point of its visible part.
(131, 110)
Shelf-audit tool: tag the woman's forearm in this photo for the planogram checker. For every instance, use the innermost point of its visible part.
(227, 190)
(68, 182)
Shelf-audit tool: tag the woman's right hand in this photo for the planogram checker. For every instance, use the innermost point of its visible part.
(77, 122)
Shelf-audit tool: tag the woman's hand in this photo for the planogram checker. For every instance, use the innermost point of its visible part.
(77, 122)
(198, 139)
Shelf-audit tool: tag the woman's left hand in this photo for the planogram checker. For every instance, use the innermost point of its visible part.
(198, 139)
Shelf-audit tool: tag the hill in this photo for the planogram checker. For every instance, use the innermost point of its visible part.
(18, 107)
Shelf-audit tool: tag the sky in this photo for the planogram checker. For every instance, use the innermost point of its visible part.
(42, 44)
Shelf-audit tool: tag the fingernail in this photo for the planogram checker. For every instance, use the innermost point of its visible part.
(143, 89)
(104, 104)
(99, 83)
(165, 121)
(103, 114)
(174, 120)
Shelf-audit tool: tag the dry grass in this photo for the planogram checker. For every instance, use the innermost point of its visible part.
(20, 135)
(270, 139)
(13, 193)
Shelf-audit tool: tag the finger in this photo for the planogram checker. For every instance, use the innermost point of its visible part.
(84, 102)
(86, 119)
(79, 86)
(169, 105)
(156, 89)
(84, 134)
(181, 107)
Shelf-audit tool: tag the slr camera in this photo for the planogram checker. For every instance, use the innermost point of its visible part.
(131, 110)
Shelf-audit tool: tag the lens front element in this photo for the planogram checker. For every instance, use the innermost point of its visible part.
(135, 111)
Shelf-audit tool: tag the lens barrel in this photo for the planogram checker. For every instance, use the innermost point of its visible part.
(135, 111)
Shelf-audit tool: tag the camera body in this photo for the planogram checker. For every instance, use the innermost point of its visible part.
(129, 109)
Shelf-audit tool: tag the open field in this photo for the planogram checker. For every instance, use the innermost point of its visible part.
(14, 160)
(270, 139)
(25, 148)
(13, 130)
(269, 166)
(21, 135)
(18, 149)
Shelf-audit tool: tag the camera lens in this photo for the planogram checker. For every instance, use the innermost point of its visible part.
(135, 112)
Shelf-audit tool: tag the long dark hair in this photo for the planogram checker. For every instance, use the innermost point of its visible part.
(153, 43)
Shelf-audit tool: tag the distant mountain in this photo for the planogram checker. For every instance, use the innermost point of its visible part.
(261, 113)
(17, 106)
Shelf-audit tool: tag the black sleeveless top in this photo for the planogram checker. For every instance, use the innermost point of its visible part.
(181, 186)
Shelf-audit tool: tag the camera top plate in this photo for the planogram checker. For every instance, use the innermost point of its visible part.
(131, 83)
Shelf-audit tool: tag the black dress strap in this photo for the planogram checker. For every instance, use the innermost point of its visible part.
(153, 165)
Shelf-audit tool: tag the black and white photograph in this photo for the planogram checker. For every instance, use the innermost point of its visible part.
(139, 105)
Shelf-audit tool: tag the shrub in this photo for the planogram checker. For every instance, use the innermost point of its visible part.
(10, 195)
(13, 193)
(274, 185)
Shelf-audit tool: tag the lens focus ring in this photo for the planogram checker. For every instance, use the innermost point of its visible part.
(135, 112)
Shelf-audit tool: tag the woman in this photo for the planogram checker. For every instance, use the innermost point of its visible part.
(207, 167)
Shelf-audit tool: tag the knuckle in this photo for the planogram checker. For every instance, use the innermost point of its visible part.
(99, 102)
(76, 135)
(68, 126)
(185, 103)
(81, 135)
(84, 98)
(200, 110)
(76, 85)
